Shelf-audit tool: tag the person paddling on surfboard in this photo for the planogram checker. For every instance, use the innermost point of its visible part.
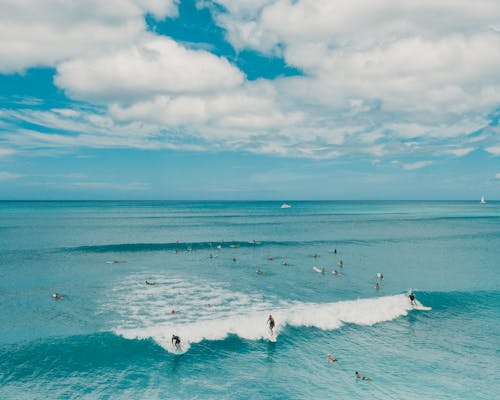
(331, 359)
(270, 324)
(176, 341)
(411, 296)
(364, 378)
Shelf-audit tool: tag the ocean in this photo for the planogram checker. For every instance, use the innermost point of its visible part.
(109, 337)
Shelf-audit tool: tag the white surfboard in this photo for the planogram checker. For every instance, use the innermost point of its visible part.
(319, 270)
(422, 308)
(271, 336)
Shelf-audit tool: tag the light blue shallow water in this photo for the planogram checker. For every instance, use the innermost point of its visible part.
(109, 336)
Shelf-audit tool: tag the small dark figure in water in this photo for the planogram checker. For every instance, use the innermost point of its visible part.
(335, 251)
(331, 359)
(57, 296)
(150, 283)
(377, 286)
(359, 376)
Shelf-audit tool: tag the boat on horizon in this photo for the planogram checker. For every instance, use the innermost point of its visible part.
(285, 205)
(483, 201)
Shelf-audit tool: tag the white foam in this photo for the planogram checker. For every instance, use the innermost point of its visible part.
(145, 312)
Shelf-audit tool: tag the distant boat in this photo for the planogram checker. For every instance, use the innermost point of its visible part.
(284, 205)
(483, 201)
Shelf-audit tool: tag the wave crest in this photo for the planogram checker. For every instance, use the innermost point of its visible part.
(205, 311)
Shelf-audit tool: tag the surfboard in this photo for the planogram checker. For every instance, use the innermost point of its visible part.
(422, 308)
(319, 270)
(177, 351)
(271, 336)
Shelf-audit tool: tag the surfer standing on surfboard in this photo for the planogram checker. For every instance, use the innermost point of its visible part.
(411, 296)
(176, 341)
(270, 324)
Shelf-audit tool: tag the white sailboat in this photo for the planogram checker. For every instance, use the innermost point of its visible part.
(483, 201)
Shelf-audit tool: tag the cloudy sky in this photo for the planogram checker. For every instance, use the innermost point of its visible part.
(249, 99)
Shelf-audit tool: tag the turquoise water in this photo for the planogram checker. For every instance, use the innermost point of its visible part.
(109, 337)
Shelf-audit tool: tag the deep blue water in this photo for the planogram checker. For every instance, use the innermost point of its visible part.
(109, 337)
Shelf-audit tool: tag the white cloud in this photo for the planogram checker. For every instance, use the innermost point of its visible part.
(460, 152)
(44, 33)
(8, 176)
(495, 150)
(155, 65)
(416, 165)
(6, 152)
(380, 78)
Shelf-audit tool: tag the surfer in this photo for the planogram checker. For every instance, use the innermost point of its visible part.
(335, 272)
(176, 341)
(150, 283)
(270, 324)
(260, 272)
(380, 276)
(377, 286)
(411, 296)
(364, 378)
(335, 251)
(331, 359)
(57, 296)
(341, 264)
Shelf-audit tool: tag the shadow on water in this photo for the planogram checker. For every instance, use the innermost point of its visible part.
(271, 352)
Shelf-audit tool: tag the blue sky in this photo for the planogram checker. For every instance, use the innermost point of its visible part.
(240, 99)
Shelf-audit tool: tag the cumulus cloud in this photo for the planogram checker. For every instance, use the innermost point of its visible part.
(43, 33)
(379, 78)
(155, 65)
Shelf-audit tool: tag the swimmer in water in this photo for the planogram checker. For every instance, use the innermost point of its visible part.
(260, 272)
(150, 283)
(335, 272)
(380, 276)
(341, 264)
(364, 378)
(57, 296)
(331, 359)
(377, 286)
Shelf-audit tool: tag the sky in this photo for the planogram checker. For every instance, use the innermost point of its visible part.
(249, 99)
